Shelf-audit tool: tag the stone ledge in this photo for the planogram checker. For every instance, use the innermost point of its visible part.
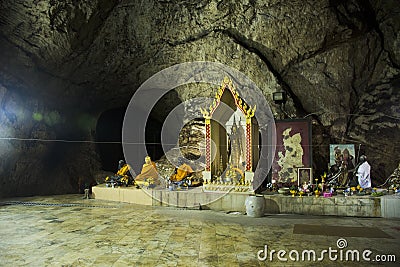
(356, 206)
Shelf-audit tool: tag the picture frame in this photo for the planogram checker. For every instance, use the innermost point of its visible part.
(293, 149)
(342, 158)
(336, 152)
(304, 175)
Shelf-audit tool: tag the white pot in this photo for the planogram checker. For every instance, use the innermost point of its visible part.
(255, 206)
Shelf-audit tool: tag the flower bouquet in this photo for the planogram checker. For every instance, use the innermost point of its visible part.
(317, 192)
(361, 191)
(293, 190)
(375, 193)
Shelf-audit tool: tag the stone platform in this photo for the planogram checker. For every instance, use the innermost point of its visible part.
(356, 206)
(122, 194)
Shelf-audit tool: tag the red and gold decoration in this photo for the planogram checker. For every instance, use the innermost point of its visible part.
(249, 115)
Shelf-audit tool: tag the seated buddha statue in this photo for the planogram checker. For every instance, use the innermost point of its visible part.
(148, 174)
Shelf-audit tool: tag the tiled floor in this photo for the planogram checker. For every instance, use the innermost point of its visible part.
(99, 233)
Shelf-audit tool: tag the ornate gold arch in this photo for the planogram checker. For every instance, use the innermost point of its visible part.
(247, 110)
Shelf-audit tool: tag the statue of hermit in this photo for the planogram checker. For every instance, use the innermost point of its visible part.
(236, 151)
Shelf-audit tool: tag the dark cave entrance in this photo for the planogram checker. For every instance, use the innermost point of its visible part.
(109, 129)
(109, 136)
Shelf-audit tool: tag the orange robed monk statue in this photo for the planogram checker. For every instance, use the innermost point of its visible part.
(182, 172)
(122, 177)
(149, 174)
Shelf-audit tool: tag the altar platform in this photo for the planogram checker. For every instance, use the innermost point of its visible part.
(194, 198)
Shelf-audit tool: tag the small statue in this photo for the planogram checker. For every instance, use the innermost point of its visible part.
(182, 172)
(236, 149)
(233, 174)
(148, 174)
(122, 177)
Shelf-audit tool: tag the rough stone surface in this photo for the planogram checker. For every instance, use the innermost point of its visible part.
(30, 163)
(337, 60)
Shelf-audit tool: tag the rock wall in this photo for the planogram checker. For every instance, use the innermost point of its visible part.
(34, 157)
(337, 60)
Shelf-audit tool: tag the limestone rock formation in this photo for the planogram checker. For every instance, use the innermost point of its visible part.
(65, 62)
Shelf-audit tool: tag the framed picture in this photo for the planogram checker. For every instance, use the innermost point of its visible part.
(342, 157)
(304, 175)
(341, 152)
(293, 149)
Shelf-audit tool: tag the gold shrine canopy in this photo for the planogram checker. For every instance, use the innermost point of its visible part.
(236, 145)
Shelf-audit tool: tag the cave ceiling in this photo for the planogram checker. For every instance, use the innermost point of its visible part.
(99, 52)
